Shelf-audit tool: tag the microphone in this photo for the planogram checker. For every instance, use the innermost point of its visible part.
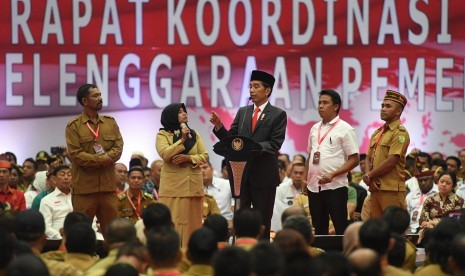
(245, 114)
(183, 125)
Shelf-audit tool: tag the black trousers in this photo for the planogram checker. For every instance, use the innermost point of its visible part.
(262, 200)
(326, 204)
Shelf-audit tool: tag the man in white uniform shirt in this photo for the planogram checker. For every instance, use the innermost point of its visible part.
(219, 188)
(286, 194)
(333, 152)
(56, 205)
(415, 199)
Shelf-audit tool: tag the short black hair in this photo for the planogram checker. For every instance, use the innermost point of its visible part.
(397, 218)
(120, 230)
(247, 222)
(60, 168)
(13, 156)
(133, 248)
(219, 225)
(27, 264)
(335, 97)
(456, 159)
(163, 244)
(439, 162)
(80, 238)
(396, 255)
(31, 160)
(267, 259)
(375, 234)
(302, 225)
(135, 169)
(156, 215)
(83, 91)
(438, 246)
(202, 245)
(297, 165)
(231, 255)
(74, 217)
(457, 250)
(428, 157)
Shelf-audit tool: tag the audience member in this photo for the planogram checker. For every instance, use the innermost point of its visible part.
(121, 176)
(155, 215)
(27, 265)
(55, 206)
(163, 245)
(30, 228)
(133, 201)
(398, 220)
(415, 199)
(365, 262)
(247, 227)
(135, 254)
(286, 194)
(438, 247)
(219, 225)
(267, 259)
(456, 259)
(15, 198)
(38, 185)
(153, 185)
(397, 253)
(350, 240)
(201, 248)
(81, 246)
(375, 234)
(232, 255)
(122, 269)
(118, 232)
(302, 225)
(442, 202)
(218, 188)
(30, 169)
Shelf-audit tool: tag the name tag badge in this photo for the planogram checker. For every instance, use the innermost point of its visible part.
(316, 158)
(415, 216)
(98, 149)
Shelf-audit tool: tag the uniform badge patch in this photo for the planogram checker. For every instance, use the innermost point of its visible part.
(402, 139)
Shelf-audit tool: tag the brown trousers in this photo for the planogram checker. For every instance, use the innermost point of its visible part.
(103, 205)
(380, 200)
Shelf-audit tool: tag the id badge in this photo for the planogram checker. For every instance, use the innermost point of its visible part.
(98, 149)
(316, 158)
(415, 215)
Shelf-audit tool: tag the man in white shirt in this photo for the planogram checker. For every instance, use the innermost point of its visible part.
(56, 205)
(286, 194)
(415, 199)
(218, 188)
(333, 152)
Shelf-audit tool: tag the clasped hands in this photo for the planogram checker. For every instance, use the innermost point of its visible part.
(326, 178)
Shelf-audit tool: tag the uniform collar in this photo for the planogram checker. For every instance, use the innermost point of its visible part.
(394, 124)
(332, 122)
(133, 196)
(9, 190)
(86, 118)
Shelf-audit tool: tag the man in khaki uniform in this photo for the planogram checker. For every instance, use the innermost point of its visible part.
(94, 144)
(388, 146)
(134, 200)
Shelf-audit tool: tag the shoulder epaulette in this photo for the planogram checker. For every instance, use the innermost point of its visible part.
(401, 128)
(72, 121)
(148, 195)
(109, 117)
(209, 196)
(122, 196)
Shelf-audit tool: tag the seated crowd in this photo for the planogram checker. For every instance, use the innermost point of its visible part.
(36, 210)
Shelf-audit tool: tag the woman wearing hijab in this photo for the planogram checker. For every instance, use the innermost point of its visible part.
(181, 180)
